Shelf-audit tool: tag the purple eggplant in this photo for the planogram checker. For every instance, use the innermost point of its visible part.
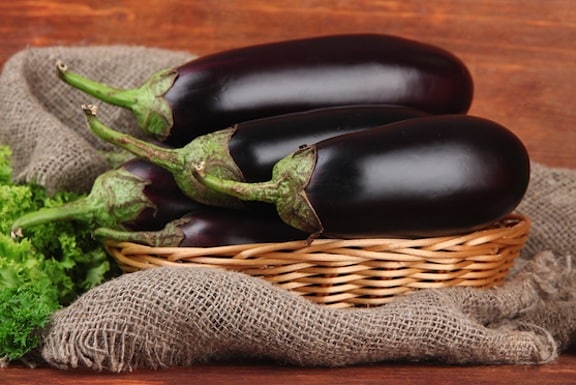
(216, 91)
(210, 228)
(136, 195)
(426, 176)
(248, 151)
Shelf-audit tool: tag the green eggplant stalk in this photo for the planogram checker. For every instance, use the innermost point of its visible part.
(136, 195)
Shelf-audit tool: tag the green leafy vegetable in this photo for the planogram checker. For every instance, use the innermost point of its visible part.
(48, 269)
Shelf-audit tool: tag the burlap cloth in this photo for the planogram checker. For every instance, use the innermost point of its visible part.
(166, 317)
(42, 119)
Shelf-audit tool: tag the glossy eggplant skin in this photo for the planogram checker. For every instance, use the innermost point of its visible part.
(218, 90)
(421, 177)
(161, 189)
(210, 228)
(257, 145)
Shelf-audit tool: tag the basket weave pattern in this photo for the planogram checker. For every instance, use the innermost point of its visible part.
(353, 272)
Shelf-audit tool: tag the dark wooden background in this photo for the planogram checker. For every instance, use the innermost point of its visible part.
(522, 54)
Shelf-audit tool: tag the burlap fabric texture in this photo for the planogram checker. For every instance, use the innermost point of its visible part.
(42, 119)
(550, 203)
(166, 317)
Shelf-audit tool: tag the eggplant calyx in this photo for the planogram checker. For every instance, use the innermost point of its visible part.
(212, 150)
(123, 195)
(286, 189)
(294, 172)
(151, 110)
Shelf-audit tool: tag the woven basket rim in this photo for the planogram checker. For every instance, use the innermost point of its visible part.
(353, 272)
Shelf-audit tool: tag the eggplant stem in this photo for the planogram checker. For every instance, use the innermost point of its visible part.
(163, 157)
(286, 189)
(151, 110)
(82, 209)
(170, 236)
(118, 97)
(262, 191)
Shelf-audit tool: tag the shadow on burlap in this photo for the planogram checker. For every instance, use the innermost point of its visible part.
(166, 317)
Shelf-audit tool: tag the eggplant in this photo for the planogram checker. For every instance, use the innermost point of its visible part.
(216, 91)
(248, 151)
(420, 177)
(136, 195)
(210, 228)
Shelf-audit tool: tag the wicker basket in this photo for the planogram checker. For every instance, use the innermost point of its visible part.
(353, 272)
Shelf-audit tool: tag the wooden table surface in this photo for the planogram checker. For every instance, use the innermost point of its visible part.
(522, 55)
(561, 372)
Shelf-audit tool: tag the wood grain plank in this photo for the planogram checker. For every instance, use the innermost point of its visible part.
(561, 372)
(521, 53)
